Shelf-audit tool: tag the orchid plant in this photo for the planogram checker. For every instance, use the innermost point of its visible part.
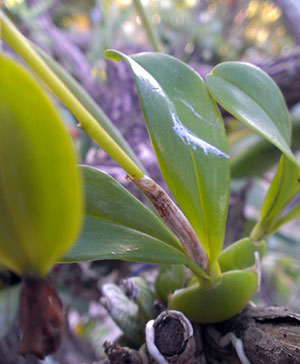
(41, 197)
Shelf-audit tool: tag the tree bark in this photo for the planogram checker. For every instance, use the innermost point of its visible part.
(268, 334)
(285, 71)
(291, 14)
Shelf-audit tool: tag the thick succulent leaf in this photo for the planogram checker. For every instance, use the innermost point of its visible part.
(225, 299)
(87, 101)
(106, 199)
(40, 186)
(188, 136)
(101, 239)
(284, 188)
(253, 97)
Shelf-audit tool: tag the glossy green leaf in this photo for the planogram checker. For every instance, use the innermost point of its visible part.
(188, 136)
(240, 255)
(106, 199)
(226, 299)
(86, 100)
(101, 239)
(118, 226)
(284, 188)
(40, 188)
(252, 97)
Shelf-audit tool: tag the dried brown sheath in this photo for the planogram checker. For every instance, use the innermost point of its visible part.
(42, 319)
(174, 218)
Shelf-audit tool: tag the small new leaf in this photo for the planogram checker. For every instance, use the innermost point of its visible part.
(283, 192)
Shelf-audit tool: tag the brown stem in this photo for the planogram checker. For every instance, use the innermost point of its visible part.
(42, 319)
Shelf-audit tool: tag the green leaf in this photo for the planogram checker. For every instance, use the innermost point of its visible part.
(225, 299)
(188, 136)
(284, 188)
(240, 255)
(253, 97)
(106, 199)
(118, 226)
(86, 100)
(292, 214)
(102, 240)
(40, 186)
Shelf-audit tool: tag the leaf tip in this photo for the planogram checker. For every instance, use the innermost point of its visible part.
(114, 55)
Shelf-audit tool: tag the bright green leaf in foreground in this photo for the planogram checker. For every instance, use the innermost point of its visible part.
(188, 136)
(118, 226)
(40, 189)
(252, 97)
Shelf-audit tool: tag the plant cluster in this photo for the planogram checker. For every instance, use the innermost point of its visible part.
(45, 197)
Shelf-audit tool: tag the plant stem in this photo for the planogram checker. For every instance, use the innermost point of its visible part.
(19, 43)
(258, 232)
(148, 26)
(88, 103)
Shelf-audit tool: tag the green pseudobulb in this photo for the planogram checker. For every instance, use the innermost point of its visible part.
(40, 185)
(225, 299)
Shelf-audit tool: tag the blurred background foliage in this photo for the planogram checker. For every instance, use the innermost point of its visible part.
(201, 33)
(193, 30)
